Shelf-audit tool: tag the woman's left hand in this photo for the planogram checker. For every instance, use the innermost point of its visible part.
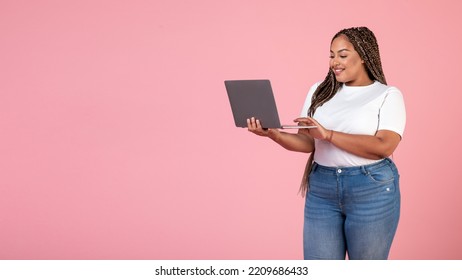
(319, 132)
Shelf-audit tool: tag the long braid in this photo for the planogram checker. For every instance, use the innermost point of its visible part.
(365, 43)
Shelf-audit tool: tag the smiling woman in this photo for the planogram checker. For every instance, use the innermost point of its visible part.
(353, 200)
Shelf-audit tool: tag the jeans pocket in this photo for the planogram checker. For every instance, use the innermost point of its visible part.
(382, 175)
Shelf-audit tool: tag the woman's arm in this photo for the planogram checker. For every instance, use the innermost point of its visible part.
(300, 142)
(379, 146)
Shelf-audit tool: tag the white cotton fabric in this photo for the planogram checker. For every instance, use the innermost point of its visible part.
(356, 110)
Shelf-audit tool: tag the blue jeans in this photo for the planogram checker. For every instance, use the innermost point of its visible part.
(352, 210)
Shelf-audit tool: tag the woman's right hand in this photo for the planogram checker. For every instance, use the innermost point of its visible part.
(254, 126)
(299, 142)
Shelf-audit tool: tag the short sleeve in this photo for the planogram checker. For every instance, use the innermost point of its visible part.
(307, 104)
(392, 114)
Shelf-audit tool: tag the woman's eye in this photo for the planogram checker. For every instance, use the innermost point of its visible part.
(343, 56)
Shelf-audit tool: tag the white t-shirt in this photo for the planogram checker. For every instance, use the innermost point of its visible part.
(356, 110)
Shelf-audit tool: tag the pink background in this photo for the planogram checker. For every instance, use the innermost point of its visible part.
(117, 140)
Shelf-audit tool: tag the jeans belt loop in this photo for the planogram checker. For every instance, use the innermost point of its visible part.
(364, 170)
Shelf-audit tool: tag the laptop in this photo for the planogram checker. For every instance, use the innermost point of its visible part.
(254, 98)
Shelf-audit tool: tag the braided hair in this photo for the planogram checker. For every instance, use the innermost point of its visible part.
(365, 43)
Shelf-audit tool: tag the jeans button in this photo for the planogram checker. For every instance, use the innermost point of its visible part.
(339, 170)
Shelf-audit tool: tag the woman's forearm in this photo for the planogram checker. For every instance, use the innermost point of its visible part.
(294, 142)
(378, 146)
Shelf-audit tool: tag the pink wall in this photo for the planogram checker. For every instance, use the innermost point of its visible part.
(117, 140)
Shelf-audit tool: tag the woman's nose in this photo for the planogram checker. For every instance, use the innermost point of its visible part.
(335, 62)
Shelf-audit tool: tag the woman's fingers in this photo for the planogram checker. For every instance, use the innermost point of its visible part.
(254, 125)
(319, 132)
(250, 124)
(306, 121)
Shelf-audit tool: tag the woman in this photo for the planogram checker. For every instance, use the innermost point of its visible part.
(352, 187)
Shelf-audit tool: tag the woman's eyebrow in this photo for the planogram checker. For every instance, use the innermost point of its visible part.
(341, 50)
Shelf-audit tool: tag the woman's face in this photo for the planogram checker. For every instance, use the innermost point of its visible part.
(346, 63)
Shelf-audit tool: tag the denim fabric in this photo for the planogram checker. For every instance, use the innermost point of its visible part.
(352, 210)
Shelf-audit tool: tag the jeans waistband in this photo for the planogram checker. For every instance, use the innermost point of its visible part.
(353, 170)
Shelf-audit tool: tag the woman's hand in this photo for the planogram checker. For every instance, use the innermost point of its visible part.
(319, 132)
(299, 142)
(254, 126)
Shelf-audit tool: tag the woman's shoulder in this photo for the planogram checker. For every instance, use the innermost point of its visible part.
(388, 88)
(391, 94)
